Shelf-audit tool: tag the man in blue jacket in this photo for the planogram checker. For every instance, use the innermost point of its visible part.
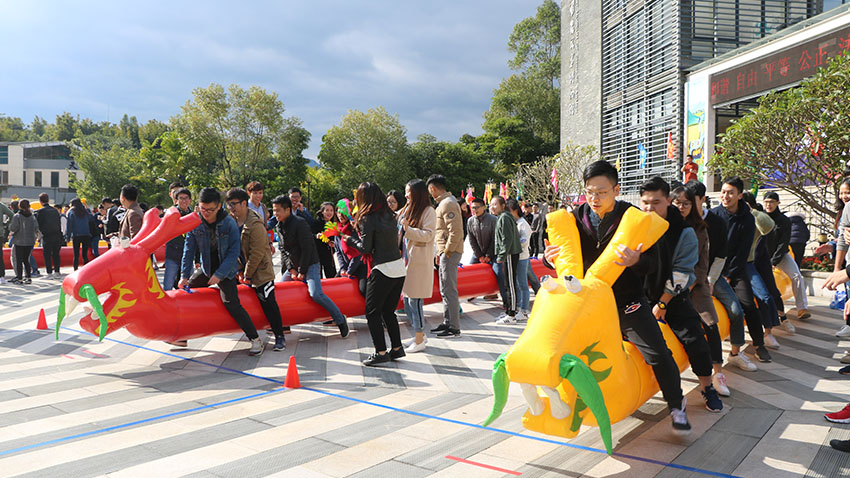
(218, 239)
(741, 227)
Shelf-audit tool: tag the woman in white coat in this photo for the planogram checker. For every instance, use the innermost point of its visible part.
(418, 221)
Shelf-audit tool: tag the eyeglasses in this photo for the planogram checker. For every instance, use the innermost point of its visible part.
(233, 204)
(208, 210)
(597, 194)
(478, 206)
(682, 203)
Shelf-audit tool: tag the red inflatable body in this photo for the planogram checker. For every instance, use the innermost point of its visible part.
(66, 256)
(136, 299)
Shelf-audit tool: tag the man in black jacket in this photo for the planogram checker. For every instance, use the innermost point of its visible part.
(482, 237)
(51, 235)
(741, 227)
(300, 259)
(780, 257)
(597, 222)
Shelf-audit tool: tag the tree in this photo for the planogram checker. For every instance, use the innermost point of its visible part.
(65, 127)
(234, 133)
(797, 139)
(508, 143)
(532, 100)
(108, 164)
(13, 129)
(150, 131)
(369, 146)
(536, 43)
(460, 165)
(130, 130)
(536, 178)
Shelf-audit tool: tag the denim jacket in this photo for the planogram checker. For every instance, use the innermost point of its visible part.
(229, 247)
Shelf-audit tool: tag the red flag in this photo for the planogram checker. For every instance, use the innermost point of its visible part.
(671, 150)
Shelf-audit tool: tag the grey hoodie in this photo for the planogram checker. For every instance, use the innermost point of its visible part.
(25, 227)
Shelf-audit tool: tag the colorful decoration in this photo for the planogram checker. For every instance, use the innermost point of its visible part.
(331, 230)
(671, 149)
(470, 194)
(571, 361)
(123, 291)
(344, 206)
(488, 191)
(642, 154)
(553, 178)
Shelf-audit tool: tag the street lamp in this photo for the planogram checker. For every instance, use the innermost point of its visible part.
(309, 181)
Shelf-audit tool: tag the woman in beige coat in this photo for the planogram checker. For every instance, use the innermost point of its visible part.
(418, 221)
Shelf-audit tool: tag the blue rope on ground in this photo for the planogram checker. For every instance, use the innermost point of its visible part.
(335, 395)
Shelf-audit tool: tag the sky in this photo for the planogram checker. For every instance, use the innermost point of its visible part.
(433, 63)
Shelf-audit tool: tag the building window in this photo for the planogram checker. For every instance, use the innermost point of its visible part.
(4, 155)
(54, 179)
(24, 182)
(4, 177)
(37, 179)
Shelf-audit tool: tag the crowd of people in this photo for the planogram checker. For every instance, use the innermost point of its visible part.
(393, 243)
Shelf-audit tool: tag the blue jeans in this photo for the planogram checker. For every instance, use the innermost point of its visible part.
(499, 270)
(533, 281)
(523, 294)
(767, 307)
(413, 310)
(313, 278)
(172, 269)
(724, 293)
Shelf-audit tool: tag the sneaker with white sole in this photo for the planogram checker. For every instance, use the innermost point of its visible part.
(414, 347)
(742, 362)
(681, 425)
(522, 315)
(719, 383)
(770, 342)
(2, 280)
(844, 331)
(788, 326)
(506, 319)
(409, 343)
(841, 416)
(257, 346)
(845, 358)
(712, 401)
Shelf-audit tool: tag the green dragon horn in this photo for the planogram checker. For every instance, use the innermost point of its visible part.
(500, 389)
(581, 378)
(89, 293)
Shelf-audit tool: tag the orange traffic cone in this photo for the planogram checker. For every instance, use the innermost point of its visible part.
(292, 380)
(42, 321)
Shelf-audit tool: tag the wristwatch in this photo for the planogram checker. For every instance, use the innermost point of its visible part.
(661, 305)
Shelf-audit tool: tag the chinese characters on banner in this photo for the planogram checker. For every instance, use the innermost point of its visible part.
(778, 69)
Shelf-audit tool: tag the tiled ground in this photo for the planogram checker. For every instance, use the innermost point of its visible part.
(129, 407)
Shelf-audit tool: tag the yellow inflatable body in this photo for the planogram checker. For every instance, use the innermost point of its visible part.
(783, 283)
(571, 361)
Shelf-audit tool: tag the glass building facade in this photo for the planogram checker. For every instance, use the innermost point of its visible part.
(648, 48)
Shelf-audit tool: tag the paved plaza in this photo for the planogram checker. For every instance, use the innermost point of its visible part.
(129, 407)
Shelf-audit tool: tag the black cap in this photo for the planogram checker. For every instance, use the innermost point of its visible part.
(771, 195)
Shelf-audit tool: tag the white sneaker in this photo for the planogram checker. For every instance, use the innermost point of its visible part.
(770, 341)
(681, 426)
(719, 382)
(742, 362)
(522, 316)
(506, 319)
(414, 347)
(257, 346)
(844, 331)
(788, 326)
(2, 280)
(409, 343)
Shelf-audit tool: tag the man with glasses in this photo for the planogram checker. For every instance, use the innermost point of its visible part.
(597, 221)
(182, 198)
(255, 262)
(481, 229)
(219, 241)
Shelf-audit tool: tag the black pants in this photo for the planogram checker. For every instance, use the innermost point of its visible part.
(268, 302)
(51, 247)
(685, 322)
(641, 329)
(765, 270)
(84, 243)
(230, 299)
(382, 295)
(533, 245)
(715, 343)
(752, 316)
(509, 273)
(326, 259)
(22, 259)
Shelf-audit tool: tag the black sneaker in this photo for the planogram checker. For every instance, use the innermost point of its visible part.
(762, 354)
(449, 333)
(396, 354)
(439, 328)
(712, 400)
(16, 281)
(841, 445)
(27, 281)
(343, 328)
(279, 343)
(377, 358)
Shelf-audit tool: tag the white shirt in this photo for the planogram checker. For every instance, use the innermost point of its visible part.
(524, 237)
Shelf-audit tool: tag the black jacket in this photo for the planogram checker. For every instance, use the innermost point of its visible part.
(482, 235)
(174, 246)
(666, 246)
(48, 221)
(717, 237)
(298, 249)
(629, 286)
(741, 227)
(378, 237)
(779, 246)
(799, 229)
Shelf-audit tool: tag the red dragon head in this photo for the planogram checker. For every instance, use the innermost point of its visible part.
(124, 273)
